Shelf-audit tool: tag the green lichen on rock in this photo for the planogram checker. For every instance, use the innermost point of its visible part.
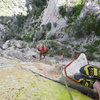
(74, 3)
(18, 84)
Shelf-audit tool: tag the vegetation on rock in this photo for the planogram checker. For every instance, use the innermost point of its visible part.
(21, 84)
(71, 10)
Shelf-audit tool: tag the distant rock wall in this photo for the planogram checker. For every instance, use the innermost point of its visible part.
(74, 23)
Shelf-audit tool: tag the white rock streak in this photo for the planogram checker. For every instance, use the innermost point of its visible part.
(61, 2)
(51, 14)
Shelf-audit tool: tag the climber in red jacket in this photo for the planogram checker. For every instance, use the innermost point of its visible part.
(42, 51)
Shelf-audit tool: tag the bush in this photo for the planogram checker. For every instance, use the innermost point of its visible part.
(97, 43)
(20, 20)
(90, 49)
(40, 3)
(38, 6)
(90, 56)
(88, 25)
(48, 26)
(28, 36)
(62, 11)
(72, 15)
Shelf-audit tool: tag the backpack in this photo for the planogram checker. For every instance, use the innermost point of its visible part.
(44, 49)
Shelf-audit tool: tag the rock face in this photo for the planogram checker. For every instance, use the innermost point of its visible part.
(65, 14)
(51, 15)
(18, 81)
(18, 49)
(21, 85)
(13, 43)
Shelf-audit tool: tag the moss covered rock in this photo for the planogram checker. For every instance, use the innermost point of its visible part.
(18, 84)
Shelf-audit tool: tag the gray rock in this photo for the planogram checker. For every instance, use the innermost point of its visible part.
(25, 54)
(15, 43)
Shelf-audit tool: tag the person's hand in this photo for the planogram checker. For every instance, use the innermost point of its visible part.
(89, 75)
(96, 85)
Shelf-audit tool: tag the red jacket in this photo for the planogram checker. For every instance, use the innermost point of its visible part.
(43, 49)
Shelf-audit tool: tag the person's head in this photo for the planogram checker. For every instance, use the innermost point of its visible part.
(41, 45)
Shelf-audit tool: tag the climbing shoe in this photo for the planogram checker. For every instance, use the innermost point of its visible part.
(91, 71)
(84, 80)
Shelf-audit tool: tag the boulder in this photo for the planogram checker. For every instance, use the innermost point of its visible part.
(15, 43)
(23, 54)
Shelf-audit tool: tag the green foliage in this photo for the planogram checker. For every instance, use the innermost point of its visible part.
(88, 25)
(72, 15)
(75, 10)
(15, 24)
(97, 27)
(20, 20)
(62, 11)
(81, 28)
(33, 32)
(90, 48)
(90, 56)
(40, 3)
(37, 12)
(48, 26)
(36, 32)
(43, 35)
(55, 48)
(28, 36)
(38, 6)
(96, 43)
